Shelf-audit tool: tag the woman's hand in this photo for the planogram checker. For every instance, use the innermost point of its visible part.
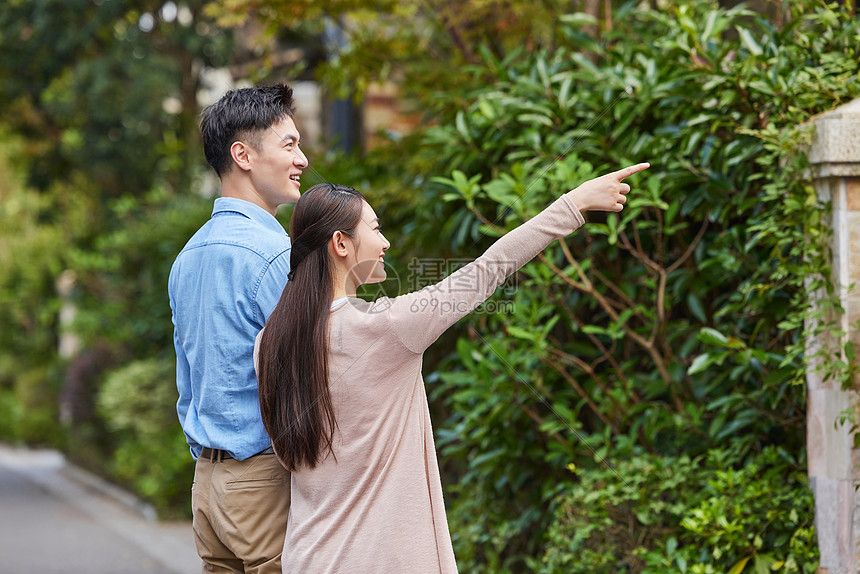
(607, 192)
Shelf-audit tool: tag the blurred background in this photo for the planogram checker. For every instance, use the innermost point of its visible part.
(635, 401)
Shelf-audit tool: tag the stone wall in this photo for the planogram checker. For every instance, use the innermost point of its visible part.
(833, 460)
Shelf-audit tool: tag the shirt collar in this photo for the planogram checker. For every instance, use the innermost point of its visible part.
(249, 210)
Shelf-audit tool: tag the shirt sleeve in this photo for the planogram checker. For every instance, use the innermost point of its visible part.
(183, 382)
(183, 385)
(419, 318)
(272, 284)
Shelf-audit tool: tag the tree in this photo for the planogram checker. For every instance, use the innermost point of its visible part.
(106, 89)
(99, 101)
(423, 46)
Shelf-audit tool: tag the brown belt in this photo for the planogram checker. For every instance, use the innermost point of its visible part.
(217, 455)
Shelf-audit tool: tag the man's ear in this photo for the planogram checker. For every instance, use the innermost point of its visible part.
(239, 151)
(338, 244)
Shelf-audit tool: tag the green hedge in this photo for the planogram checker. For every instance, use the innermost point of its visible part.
(669, 332)
(138, 403)
(733, 511)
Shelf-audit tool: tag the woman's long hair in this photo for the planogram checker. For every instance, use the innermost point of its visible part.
(295, 400)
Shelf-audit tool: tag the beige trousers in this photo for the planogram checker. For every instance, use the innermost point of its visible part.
(240, 511)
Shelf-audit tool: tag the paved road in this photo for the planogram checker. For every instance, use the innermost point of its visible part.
(58, 519)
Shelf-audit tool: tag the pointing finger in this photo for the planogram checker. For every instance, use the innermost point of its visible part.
(628, 171)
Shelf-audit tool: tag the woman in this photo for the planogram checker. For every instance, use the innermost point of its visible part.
(341, 391)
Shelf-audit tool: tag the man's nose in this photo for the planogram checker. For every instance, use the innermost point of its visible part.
(302, 160)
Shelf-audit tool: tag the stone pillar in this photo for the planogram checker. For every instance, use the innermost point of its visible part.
(834, 463)
(69, 343)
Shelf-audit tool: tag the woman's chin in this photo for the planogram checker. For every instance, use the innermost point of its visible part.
(377, 278)
(369, 273)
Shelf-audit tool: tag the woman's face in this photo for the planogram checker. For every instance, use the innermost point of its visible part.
(370, 246)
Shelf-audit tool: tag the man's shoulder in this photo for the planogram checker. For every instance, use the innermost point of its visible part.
(234, 233)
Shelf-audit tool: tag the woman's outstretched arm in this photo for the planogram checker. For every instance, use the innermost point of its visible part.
(419, 318)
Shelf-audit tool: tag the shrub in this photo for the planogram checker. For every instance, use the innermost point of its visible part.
(138, 403)
(668, 515)
(674, 328)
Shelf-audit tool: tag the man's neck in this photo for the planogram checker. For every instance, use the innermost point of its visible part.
(230, 187)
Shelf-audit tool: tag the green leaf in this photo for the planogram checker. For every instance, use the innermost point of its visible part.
(542, 73)
(714, 337)
(550, 324)
(763, 563)
(710, 24)
(521, 333)
(593, 330)
(738, 568)
(462, 128)
(699, 364)
(487, 109)
(749, 42)
(612, 223)
(564, 91)
(696, 308)
(502, 191)
(578, 19)
(535, 118)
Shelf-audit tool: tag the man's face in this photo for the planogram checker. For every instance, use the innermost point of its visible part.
(278, 165)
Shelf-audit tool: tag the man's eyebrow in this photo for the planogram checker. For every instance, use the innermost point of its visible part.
(287, 137)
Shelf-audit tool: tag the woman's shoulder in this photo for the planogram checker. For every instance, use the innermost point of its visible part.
(372, 310)
(358, 320)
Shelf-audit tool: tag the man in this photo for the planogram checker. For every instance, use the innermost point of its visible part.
(223, 285)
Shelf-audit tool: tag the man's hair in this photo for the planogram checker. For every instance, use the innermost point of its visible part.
(243, 114)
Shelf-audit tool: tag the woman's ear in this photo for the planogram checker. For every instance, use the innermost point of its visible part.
(339, 244)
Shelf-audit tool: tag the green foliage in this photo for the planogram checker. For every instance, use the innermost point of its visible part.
(31, 253)
(29, 408)
(9, 409)
(123, 276)
(368, 41)
(665, 342)
(100, 99)
(90, 85)
(121, 302)
(760, 514)
(674, 328)
(138, 402)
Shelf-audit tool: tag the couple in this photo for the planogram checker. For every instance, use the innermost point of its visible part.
(340, 387)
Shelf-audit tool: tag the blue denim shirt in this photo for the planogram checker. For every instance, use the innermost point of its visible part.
(223, 286)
